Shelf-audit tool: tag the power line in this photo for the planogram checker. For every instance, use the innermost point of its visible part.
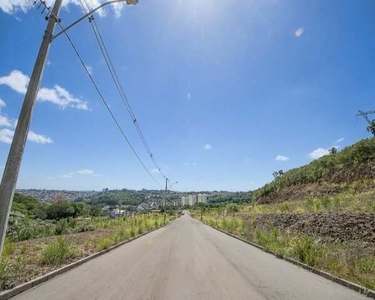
(104, 101)
(118, 84)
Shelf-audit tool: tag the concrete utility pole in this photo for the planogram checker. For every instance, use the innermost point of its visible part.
(165, 200)
(11, 170)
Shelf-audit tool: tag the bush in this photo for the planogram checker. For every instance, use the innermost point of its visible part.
(307, 250)
(4, 277)
(361, 152)
(104, 244)
(58, 253)
(62, 227)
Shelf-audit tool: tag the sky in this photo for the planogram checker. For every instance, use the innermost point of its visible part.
(225, 92)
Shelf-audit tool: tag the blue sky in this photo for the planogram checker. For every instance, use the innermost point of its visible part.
(226, 92)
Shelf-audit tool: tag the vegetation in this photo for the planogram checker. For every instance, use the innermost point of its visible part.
(318, 171)
(354, 262)
(58, 252)
(239, 197)
(25, 260)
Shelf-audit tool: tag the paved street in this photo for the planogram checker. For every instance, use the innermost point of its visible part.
(188, 260)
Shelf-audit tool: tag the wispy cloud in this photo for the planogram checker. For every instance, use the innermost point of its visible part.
(5, 122)
(6, 136)
(58, 95)
(207, 147)
(65, 176)
(339, 140)
(2, 103)
(16, 80)
(154, 171)
(90, 69)
(86, 172)
(282, 158)
(13, 6)
(299, 32)
(318, 153)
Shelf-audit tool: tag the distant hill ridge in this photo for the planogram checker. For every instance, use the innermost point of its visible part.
(353, 168)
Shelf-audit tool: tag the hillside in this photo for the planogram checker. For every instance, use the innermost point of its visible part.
(352, 169)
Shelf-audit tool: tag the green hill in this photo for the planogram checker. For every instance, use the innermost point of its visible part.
(351, 169)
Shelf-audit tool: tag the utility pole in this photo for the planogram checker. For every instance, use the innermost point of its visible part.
(165, 200)
(11, 170)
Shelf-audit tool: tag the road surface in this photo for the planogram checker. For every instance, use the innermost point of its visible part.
(188, 260)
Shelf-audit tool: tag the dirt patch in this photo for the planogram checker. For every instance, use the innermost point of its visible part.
(329, 227)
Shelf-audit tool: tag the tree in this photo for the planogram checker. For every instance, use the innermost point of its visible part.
(278, 173)
(60, 210)
(333, 150)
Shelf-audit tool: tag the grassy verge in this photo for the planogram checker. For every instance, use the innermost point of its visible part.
(26, 260)
(352, 261)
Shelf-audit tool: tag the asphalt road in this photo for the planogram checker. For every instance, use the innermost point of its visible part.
(188, 260)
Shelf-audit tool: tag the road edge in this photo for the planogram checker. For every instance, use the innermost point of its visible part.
(5, 295)
(351, 285)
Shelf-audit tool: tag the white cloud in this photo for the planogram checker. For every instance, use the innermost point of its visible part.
(281, 158)
(65, 176)
(38, 138)
(318, 153)
(247, 160)
(6, 136)
(207, 147)
(90, 70)
(188, 96)
(61, 97)
(5, 122)
(57, 95)
(155, 171)
(299, 32)
(187, 163)
(48, 61)
(339, 141)
(86, 172)
(117, 9)
(2, 102)
(16, 80)
(13, 6)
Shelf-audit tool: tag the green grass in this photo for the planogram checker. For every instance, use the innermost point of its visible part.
(362, 152)
(339, 203)
(354, 262)
(58, 252)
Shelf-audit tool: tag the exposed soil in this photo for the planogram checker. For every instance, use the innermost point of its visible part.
(329, 227)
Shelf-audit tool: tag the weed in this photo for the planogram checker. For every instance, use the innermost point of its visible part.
(58, 252)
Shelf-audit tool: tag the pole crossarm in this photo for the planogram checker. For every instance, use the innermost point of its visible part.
(85, 16)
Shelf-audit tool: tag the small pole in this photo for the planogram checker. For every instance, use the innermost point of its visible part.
(12, 167)
(165, 200)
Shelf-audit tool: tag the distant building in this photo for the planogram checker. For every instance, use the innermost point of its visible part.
(192, 199)
(118, 213)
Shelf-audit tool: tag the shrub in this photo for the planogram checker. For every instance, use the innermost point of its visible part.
(4, 277)
(58, 252)
(104, 244)
(9, 247)
(62, 227)
(306, 250)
